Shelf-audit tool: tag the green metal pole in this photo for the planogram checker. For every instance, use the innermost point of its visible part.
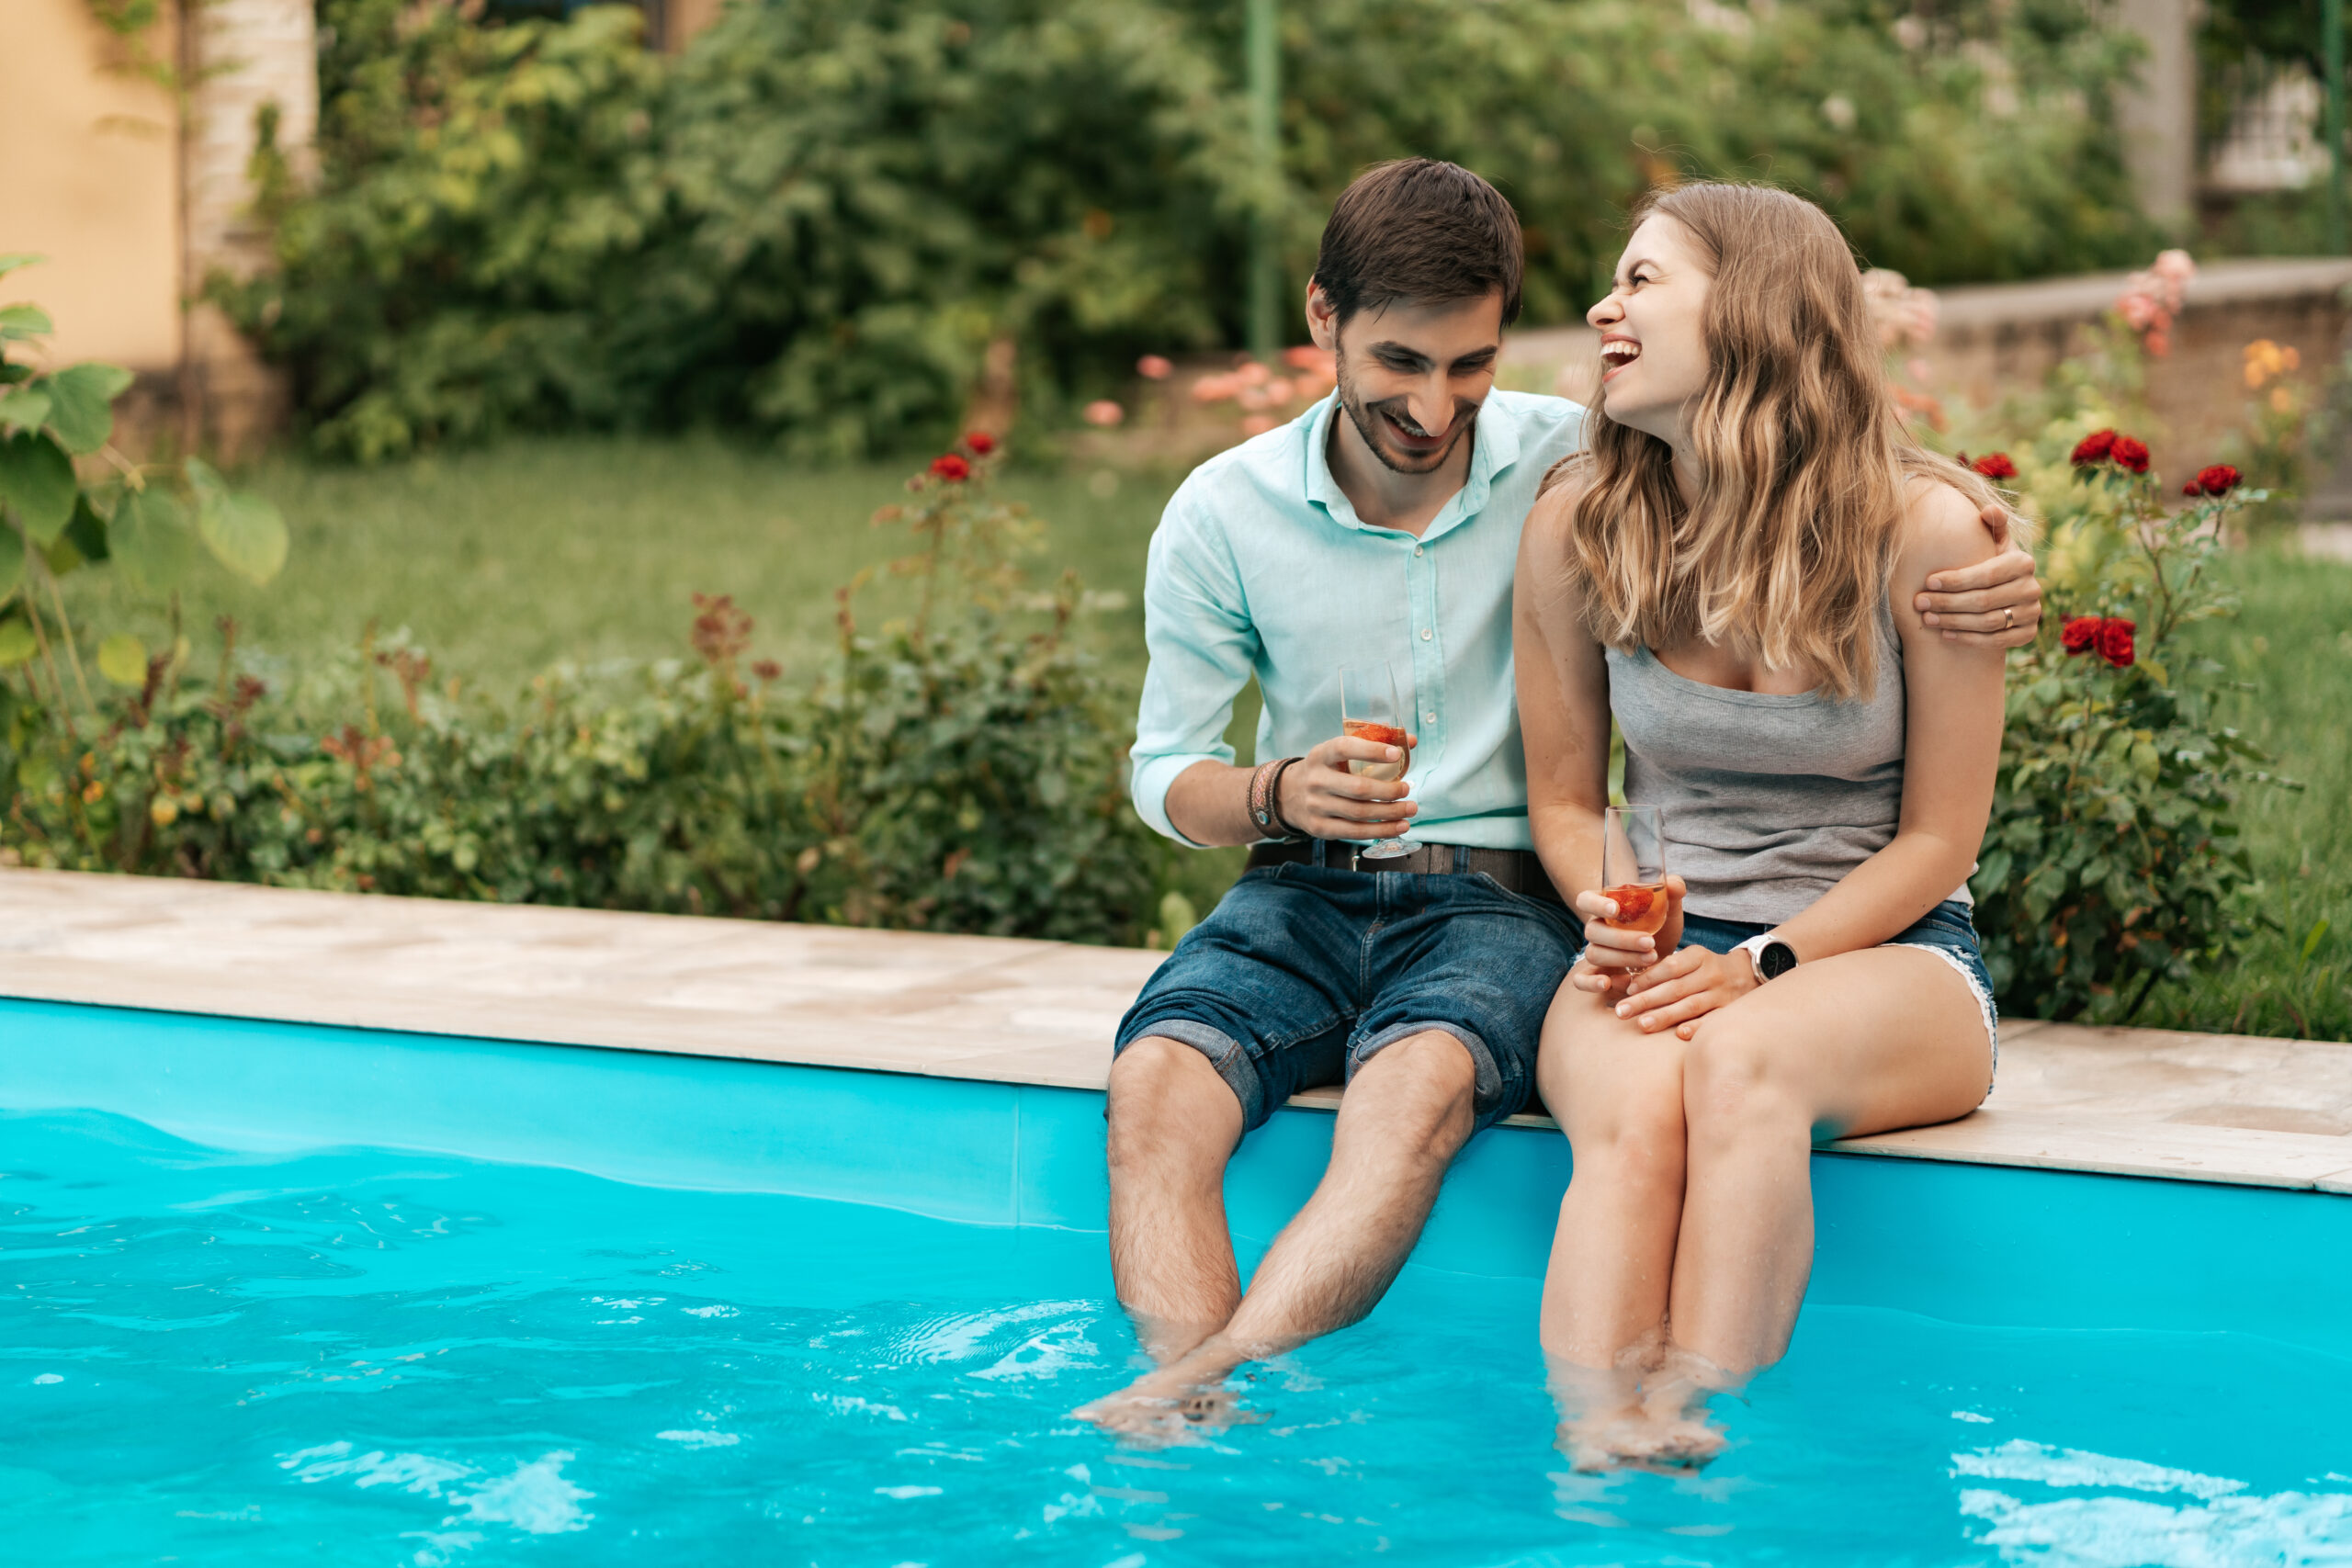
(2331, 32)
(1263, 62)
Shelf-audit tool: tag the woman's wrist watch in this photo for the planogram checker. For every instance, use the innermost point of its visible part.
(1770, 957)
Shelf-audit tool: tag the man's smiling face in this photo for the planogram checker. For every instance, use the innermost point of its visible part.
(1412, 376)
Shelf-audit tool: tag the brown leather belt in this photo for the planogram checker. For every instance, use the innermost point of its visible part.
(1517, 870)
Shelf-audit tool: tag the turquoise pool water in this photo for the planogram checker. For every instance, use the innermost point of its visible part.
(235, 1333)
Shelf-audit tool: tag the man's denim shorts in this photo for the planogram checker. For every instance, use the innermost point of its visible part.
(1947, 930)
(1303, 972)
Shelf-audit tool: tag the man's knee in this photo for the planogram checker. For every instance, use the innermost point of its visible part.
(1426, 1084)
(1167, 1097)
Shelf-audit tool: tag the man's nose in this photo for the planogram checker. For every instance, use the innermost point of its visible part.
(1432, 404)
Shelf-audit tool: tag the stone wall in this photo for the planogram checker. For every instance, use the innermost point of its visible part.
(2000, 339)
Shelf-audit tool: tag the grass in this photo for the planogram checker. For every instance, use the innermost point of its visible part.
(2291, 647)
(504, 562)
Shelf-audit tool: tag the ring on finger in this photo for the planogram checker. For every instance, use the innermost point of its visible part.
(2008, 618)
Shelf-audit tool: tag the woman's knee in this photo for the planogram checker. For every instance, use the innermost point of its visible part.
(1618, 1095)
(1735, 1077)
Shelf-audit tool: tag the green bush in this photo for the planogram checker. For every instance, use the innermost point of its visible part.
(143, 521)
(816, 220)
(2114, 858)
(952, 773)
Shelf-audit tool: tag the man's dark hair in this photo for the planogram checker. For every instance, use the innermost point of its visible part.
(1422, 231)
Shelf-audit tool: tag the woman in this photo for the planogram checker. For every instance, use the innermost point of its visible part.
(1712, 571)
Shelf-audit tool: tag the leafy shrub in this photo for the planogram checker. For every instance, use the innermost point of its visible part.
(2113, 860)
(54, 523)
(817, 220)
(952, 773)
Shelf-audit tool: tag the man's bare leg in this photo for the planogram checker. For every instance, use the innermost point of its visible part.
(1174, 1124)
(1408, 1114)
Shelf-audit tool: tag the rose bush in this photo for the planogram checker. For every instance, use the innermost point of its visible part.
(2113, 858)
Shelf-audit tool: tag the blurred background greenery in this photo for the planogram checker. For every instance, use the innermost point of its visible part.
(816, 220)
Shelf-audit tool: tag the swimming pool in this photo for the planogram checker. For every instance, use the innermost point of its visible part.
(283, 1293)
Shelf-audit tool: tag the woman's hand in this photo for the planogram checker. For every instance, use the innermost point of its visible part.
(1322, 799)
(1677, 993)
(1611, 956)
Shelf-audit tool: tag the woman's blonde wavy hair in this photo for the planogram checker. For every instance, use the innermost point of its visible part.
(1803, 460)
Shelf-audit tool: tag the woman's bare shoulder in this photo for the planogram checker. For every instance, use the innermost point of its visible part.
(1548, 521)
(1942, 528)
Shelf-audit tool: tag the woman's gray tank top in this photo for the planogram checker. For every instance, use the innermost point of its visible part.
(1769, 800)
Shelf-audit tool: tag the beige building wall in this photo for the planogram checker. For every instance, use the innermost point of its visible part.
(90, 181)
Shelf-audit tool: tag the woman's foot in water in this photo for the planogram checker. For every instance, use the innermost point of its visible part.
(1649, 1412)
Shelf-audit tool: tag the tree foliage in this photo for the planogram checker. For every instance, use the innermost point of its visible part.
(815, 222)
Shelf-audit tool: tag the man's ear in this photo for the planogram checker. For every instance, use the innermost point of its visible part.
(1322, 318)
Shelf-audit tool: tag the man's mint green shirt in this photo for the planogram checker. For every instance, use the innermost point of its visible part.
(1260, 566)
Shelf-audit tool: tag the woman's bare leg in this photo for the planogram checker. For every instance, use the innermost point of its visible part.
(1618, 1094)
(1862, 1042)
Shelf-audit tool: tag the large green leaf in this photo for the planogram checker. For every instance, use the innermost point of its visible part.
(22, 321)
(17, 644)
(12, 561)
(15, 259)
(148, 540)
(122, 658)
(37, 484)
(243, 532)
(24, 408)
(87, 532)
(82, 403)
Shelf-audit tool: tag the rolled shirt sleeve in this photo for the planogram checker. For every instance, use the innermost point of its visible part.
(1202, 649)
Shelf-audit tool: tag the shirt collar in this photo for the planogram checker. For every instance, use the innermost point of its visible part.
(1495, 449)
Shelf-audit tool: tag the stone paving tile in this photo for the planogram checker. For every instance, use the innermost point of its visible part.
(2149, 1102)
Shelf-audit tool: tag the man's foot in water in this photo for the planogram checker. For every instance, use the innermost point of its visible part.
(1183, 1401)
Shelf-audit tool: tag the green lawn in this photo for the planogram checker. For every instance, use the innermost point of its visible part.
(505, 561)
(2291, 646)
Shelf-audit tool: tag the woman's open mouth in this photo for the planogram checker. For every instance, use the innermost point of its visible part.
(1616, 353)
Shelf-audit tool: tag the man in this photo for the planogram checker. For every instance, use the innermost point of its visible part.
(1382, 526)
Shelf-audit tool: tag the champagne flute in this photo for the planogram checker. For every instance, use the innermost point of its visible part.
(1633, 867)
(1369, 711)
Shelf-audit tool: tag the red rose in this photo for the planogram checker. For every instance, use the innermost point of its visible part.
(2219, 479)
(2079, 634)
(2094, 449)
(1996, 466)
(951, 468)
(981, 443)
(2130, 452)
(2115, 642)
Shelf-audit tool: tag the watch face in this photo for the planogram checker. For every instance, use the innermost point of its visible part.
(1777, 959)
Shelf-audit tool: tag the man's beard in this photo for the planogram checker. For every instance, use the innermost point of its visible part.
(1369, 424)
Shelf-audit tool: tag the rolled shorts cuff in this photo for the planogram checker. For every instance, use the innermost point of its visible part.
(1487, 1094)
(1980, 985)
(1226, 1054)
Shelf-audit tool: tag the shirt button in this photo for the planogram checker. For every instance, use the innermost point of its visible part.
(1425, 633)
(1418, 550)
(1429, 718)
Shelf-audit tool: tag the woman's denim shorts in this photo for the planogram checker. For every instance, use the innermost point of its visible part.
(1945, 931)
